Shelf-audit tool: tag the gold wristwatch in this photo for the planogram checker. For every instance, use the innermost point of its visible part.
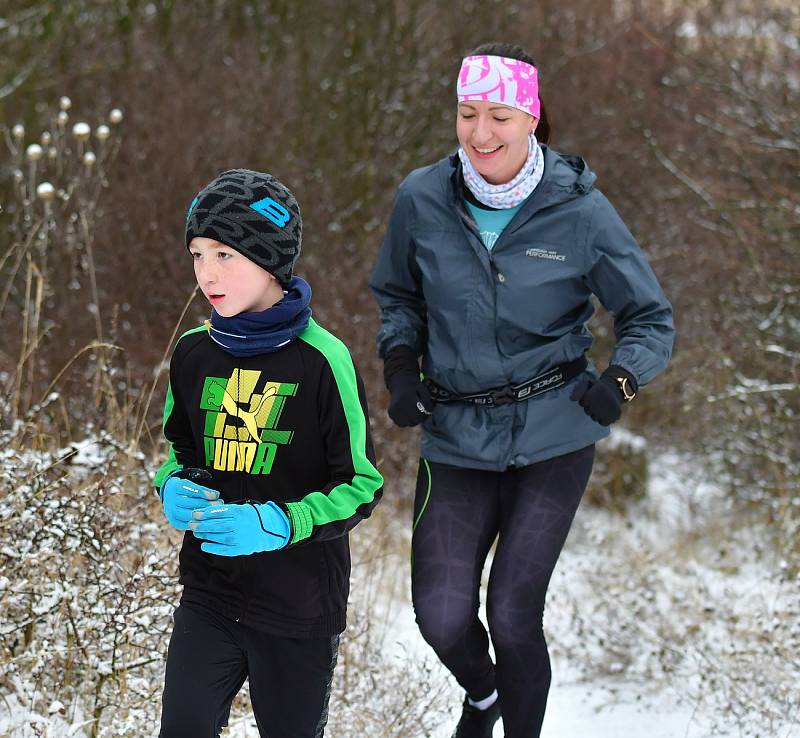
(628, 393)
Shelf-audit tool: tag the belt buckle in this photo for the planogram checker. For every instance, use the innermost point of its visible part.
(502, 396)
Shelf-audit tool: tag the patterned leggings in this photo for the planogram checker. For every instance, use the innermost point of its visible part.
(458, 514)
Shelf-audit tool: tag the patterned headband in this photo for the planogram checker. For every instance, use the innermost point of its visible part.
(502, 80)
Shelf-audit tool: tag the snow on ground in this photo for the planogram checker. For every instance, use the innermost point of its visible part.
(676, 620)
(603, 708)
(583, 701)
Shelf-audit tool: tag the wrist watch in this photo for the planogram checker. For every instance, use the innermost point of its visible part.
(624, 384)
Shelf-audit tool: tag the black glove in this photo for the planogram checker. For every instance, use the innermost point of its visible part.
(410, 401)
(602, 400)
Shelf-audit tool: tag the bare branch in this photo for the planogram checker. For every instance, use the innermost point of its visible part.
(20, 78)
(672, 168)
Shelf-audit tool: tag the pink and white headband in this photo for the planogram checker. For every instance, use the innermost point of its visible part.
(502, 80)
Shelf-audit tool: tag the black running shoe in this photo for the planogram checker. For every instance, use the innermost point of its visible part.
(477, 723)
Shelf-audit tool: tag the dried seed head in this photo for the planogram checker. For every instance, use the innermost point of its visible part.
(33, 152)
(52, 152)
(18, 176)
(65, 103)
(18, 131)
(89, 159)
(81, 131)
(115, 116)
(45, 191)
(102, 132)
(46, 138)
(62, 118)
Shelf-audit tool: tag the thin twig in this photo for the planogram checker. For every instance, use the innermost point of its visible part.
(89, 347)
(141, 422)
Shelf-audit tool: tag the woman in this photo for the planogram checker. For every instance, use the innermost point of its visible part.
(487, 271)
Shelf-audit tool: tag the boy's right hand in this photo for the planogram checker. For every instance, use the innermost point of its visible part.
(182, 494)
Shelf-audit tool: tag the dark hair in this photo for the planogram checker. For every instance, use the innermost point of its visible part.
(513, 51)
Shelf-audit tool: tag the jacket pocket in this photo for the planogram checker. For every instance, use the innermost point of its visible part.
(543, 291)
(323, 569)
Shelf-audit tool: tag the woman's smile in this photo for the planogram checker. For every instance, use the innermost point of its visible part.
(486, 153)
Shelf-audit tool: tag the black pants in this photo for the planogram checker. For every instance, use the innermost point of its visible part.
(458, 513)
(209, 658)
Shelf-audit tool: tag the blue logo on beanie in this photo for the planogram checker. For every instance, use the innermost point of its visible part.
(273, 211)
(191, 207)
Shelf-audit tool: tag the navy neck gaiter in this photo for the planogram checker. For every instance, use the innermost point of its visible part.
(250, 334)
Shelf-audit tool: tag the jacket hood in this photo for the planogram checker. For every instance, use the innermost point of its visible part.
(570, 175)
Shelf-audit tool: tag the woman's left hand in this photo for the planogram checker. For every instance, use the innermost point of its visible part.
(602, 400)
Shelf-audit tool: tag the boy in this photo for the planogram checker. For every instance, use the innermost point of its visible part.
(270, 465)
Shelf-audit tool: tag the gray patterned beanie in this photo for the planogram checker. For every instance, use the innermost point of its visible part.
(253, 213)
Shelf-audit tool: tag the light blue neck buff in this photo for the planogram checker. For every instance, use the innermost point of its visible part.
(512, 193)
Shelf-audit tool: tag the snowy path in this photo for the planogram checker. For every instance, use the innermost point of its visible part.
(596, 710)
(606, 705)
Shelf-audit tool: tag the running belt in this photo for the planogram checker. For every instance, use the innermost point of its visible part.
(552, 379)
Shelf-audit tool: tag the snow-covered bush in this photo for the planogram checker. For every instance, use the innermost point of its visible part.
(88, 583)
(86, 591)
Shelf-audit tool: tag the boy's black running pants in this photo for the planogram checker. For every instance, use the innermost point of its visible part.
(209, 658)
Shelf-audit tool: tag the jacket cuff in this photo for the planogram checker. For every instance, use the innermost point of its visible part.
(409, 338)
(300, 520)
(160, 489)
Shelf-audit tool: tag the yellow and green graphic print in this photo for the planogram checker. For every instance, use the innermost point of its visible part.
(241, 431)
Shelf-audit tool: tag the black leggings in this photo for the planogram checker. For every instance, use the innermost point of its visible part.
(458, 513)
(209, 658)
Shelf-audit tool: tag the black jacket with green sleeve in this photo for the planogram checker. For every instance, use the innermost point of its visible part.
(290, 426)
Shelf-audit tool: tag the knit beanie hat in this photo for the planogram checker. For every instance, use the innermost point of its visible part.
(253, 213)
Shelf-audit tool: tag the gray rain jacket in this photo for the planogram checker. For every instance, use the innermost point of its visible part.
(485, 319)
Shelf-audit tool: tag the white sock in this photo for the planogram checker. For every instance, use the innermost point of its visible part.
(485, 703)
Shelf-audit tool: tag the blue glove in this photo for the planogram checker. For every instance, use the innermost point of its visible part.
(239, 530)
(182, 494)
